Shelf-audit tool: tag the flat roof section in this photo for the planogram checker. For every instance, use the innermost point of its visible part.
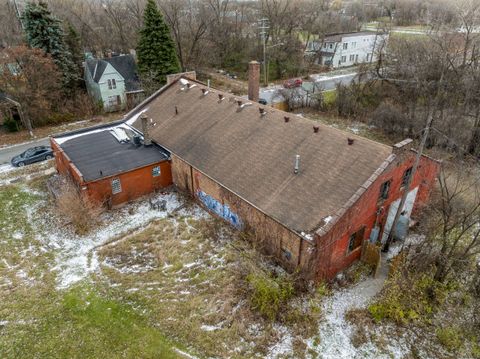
(99, 154)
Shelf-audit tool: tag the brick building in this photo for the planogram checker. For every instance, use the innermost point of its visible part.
(109, 169)
(310, 193)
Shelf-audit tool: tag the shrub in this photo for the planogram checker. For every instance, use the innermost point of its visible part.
(269, 294)
(450, 337)
(81, 212)
(11, 125)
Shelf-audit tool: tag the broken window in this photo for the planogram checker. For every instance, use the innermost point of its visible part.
(156, 171)
(406, 176)
(286, 254)
(116, 186)
(356, 239)
(385, 189)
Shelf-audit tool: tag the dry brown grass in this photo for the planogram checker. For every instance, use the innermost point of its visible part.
(190, 277)
(80, 211)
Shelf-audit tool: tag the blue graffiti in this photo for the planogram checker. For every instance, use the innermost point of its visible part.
(221, 210)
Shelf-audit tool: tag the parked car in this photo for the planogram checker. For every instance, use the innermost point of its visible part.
(288, 84)
(262, 101)
(34, 154)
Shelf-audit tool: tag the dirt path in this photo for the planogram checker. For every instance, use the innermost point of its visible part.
(335, 331)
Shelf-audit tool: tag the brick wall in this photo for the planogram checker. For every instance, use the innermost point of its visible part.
(332, 253)
(290, 249)
(134, 183)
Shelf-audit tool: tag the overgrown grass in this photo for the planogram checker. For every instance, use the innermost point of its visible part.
(191, 278)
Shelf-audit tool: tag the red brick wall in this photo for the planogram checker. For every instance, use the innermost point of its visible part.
(332, 248)
(273, 237)
(135, 183)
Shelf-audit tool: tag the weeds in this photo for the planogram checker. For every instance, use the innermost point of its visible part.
(269, 294)
(81, 212)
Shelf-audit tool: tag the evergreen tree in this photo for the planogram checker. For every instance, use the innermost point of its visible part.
(44, 31)
(156, 51)
(72, 40)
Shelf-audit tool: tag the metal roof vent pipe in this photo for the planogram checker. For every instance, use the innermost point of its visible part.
(350, 141)
(262, 111)
(205, 92)
(146, 132)
(286, 118)
(297, 164)
(315, 129)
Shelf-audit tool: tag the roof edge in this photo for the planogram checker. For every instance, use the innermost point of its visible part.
(87, 129)
(356, 196)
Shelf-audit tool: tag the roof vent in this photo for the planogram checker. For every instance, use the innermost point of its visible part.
(297, 164)
(221, 97)
(286, 118)
(262, 111)
(205, 92)
(242, 105)
(315, 129)
(189, 86)
(176, 110)
(350, 141)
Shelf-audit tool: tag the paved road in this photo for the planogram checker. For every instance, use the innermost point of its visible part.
(6, 153)
(325, 82)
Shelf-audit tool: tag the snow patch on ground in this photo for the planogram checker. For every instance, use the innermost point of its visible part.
(284, 346)
(76, 256)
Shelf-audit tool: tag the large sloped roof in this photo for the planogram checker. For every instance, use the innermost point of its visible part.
(254, 155)
(124, 64)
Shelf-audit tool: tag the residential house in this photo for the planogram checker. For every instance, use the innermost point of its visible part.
(113, 82)
(346, 49)
(311, 193)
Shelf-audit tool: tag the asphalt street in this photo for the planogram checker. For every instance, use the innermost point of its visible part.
(6, 153)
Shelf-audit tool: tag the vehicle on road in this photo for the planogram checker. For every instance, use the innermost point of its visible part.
(262, 101)
(288, 84)
(32, 155)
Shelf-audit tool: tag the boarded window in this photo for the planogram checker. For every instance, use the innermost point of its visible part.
(116, 186)
(385, 189)
(156, 171)
(356, 239)
(406, 176)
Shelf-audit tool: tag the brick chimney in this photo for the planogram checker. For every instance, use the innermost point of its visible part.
(253, 80)
(146, 132)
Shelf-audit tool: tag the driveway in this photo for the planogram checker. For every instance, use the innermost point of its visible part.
(6, 153)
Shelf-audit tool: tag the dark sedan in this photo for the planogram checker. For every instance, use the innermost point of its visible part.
(34, 154)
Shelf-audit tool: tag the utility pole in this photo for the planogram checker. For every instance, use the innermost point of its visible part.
(409, 182)
(18, 14)
(263, 32)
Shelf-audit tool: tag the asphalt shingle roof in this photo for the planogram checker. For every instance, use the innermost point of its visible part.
(254, 155)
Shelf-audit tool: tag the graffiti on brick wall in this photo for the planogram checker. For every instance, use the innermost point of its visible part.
(221, 210)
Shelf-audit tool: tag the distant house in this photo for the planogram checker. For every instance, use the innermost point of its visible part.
(114, 82)
(346, 49)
